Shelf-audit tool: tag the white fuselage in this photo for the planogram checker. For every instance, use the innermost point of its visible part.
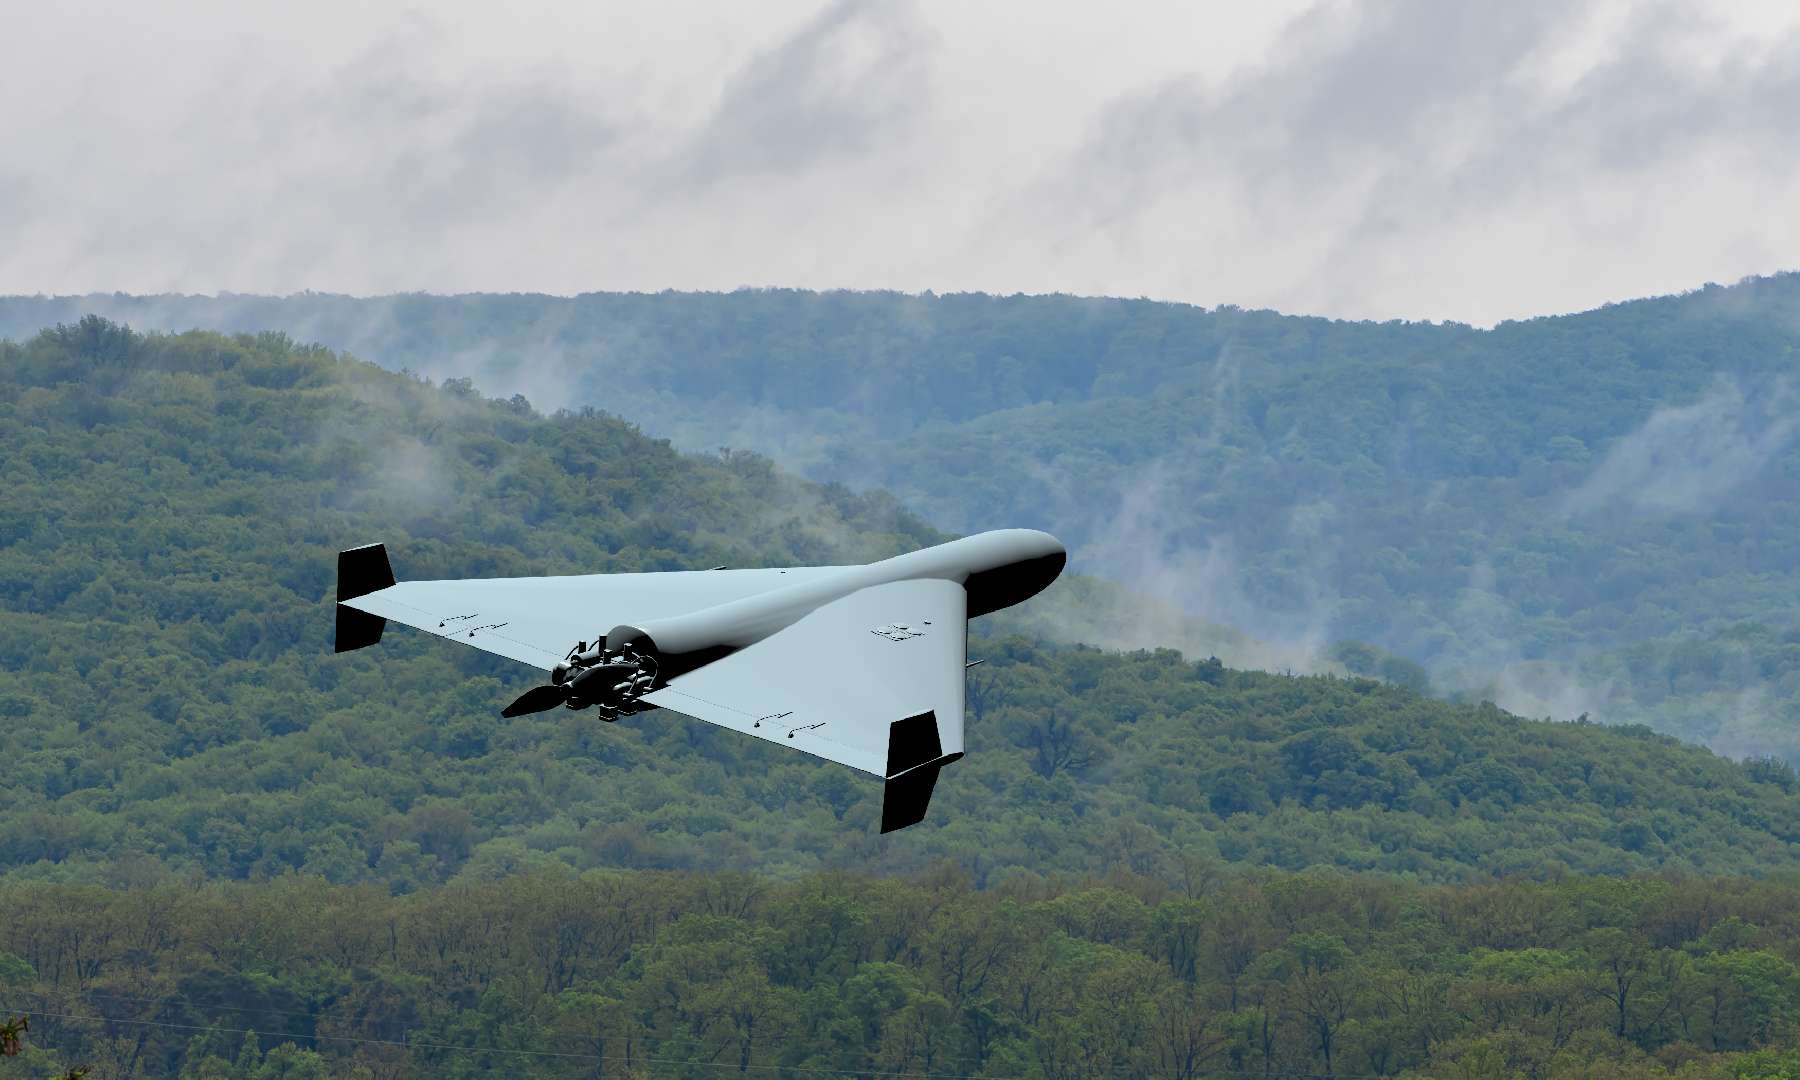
(741, 623)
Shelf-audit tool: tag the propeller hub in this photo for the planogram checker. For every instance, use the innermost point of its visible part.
(613, 681)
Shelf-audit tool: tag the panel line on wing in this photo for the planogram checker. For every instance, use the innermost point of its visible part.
(422, 620)
(554, 656)
(716, 705)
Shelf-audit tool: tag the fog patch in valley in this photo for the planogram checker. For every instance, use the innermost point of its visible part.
(1145, 548)
(1687, 460)
(1195, 591)
(1690, 459)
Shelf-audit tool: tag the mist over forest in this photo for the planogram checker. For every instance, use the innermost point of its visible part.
(1593, 513)
(227, 851)
(174, 706)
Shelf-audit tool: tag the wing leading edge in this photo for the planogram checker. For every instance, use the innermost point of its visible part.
(533, 620)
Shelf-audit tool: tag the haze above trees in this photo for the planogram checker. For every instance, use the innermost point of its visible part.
(1590, 513)
(351, 865)
(173, 705)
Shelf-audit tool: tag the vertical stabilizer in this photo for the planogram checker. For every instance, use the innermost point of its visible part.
(907, 797)
(361, 571)
(915, 756)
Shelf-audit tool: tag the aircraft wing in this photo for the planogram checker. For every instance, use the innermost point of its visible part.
(873, 680)
(537, 620)
(860, 665)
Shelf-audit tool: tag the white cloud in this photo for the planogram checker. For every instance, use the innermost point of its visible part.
(1369, 159)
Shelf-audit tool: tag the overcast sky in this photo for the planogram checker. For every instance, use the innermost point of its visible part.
(1390, 158)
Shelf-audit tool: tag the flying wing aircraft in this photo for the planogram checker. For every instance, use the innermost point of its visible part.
(861, 665)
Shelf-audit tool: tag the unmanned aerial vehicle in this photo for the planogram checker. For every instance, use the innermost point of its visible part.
(861, 665)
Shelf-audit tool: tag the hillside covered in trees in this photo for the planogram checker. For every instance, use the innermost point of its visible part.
(1562, 514)
(661, 975)
(173, 709)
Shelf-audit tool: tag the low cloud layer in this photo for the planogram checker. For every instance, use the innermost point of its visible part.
(1384, 158)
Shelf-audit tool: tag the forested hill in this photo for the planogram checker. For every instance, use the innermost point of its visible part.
(694, 365)
(1588, 513)
(172, 509)
(684, 976)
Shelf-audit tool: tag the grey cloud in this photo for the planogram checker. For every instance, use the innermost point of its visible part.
(425, 154)
(369, 172)
(1378, 81)
(407, 180)
(1385, 159)
(1399, 114)
(834, 89)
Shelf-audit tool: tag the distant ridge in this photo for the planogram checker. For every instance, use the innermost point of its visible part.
(173, 707)
(1504, 508)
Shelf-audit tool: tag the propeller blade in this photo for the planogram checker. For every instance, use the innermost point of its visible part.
(537, 699)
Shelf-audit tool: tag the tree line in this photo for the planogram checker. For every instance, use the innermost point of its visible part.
(1246, 974)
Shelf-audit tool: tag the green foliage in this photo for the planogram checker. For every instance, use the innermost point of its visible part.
(1361, 658)
(1471, 501)
(857, 363)
(174, 709)
(1765, 1065)
(15, 972)
(1432, 499)
(659, 974)
(32, 1063)
(174, 506)
(1478, 502)
(1351, 774)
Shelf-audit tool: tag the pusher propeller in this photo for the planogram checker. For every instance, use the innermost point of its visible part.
(537, 699)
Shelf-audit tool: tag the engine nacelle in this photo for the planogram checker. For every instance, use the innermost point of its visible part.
(611, 680)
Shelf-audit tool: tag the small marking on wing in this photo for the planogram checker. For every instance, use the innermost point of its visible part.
(807, 727)
(897, 632)
(458, 618)
(772, 716)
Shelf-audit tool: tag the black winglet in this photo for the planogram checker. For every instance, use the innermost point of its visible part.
(915, 754)
(908, 795)
(361, 571)
(357, 629)
(913, 742)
